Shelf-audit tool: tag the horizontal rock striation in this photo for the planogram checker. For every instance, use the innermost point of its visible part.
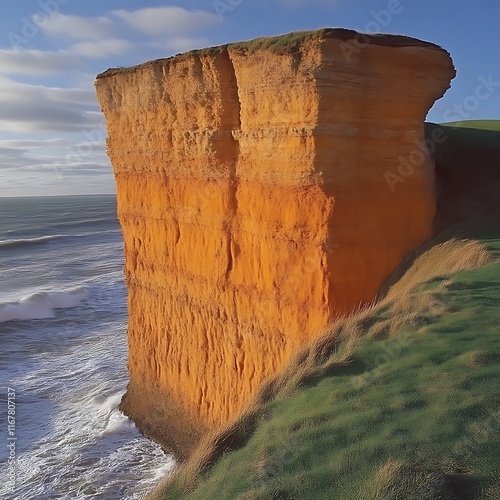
(255, 206)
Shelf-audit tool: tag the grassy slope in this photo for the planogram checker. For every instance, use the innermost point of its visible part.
(481, 134)
(475, 134)
(413, 414)
(475, 124)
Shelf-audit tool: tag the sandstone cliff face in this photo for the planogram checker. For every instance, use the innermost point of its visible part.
(254, 207)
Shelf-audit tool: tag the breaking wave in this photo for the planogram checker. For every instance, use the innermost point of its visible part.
(29, 241)
(41, 305)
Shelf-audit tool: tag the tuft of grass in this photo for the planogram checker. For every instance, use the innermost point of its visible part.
(395, 479)
(439, 260)
(364, 413)
(282, 44)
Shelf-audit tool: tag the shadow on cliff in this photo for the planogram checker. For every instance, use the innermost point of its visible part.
(467, 169)
(467, 182)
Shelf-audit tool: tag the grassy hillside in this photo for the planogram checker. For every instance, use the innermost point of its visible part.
(478, 135)
(475, 124)
(399, 401)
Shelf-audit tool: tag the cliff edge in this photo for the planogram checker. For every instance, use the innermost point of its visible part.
(255, 206)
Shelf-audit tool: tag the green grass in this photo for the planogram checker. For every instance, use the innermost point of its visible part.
(279, 44)
(476, 124)
(413, 411)
(481, 134)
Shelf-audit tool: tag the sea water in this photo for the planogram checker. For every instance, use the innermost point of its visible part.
(63, 355)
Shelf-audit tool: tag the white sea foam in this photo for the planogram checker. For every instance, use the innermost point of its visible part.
(162, 471)
(118, 423)
(107, 412)
(41, 305)
(111, 403)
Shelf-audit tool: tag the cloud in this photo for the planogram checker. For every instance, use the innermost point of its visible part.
(84, 28)
(54, 154)
(94, 38)
(102, 48)
(18, 152)
(32, 143)
(36, 108)
(60, 166)
(57, 182)
(73, 160)
(167, 21)
(36, 62)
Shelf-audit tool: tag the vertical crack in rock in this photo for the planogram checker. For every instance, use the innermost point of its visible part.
(254, 202)
(233, 91)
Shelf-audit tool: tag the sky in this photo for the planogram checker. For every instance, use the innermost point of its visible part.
(52, 133)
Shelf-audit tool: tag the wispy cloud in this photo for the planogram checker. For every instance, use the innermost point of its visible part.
(84, 28)
(167, 21)
(36, 108)
(36, 62)
(101, 48)
(31, 154)
(29, 144)
(68, 162)
(30, 166)
(179, 44)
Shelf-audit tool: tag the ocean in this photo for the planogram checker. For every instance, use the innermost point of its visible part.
(63, 355)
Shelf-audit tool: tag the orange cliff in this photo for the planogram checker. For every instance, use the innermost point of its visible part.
(255, 206)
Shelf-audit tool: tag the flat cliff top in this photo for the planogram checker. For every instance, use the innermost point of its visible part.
(287, 43)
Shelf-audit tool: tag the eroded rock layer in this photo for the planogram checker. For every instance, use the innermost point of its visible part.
(255, 206)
